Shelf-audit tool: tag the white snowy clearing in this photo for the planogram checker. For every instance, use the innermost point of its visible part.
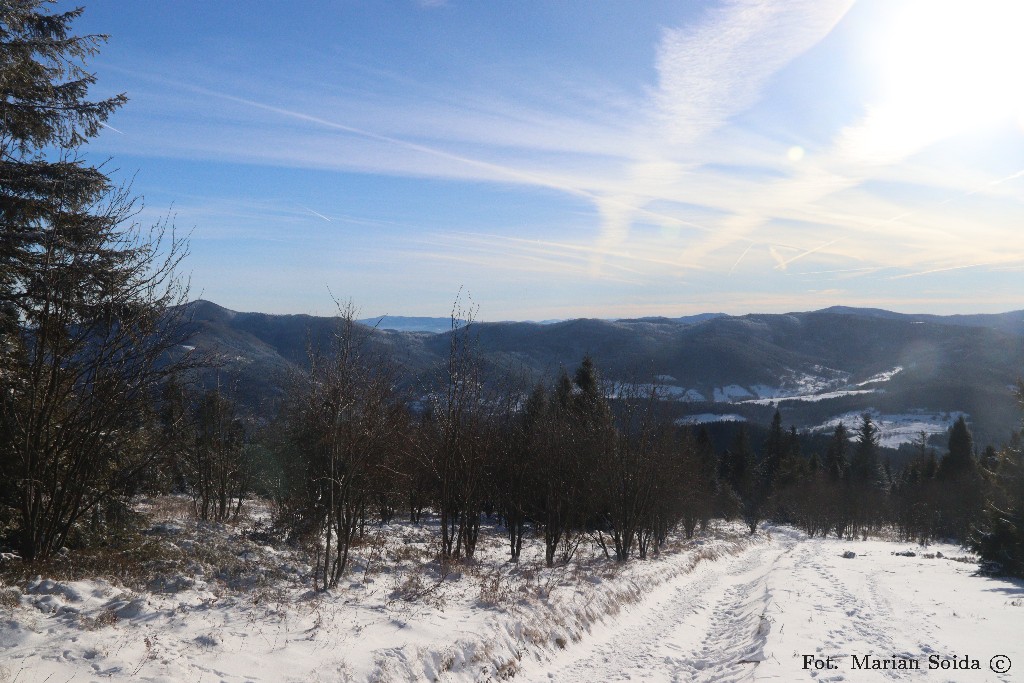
(704, 418)
(725, 607)
(896, 428)
(794, 387)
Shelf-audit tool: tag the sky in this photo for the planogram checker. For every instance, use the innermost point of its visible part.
(547, 160)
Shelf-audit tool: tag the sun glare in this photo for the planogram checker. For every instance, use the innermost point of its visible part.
(951, 65)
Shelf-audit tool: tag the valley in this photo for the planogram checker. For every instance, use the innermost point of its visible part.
(913, 373)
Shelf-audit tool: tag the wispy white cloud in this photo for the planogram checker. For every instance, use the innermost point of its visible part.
(708, 73)
(678, 185)
(931, 271)
(719, 67)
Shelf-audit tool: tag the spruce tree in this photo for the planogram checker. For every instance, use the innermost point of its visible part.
(1000, 540)
(774, 449)
(836, 465)
(865, 467)
(838, 511)
(747, 478)
(868, 482)
(85, 335)
(813, 465)
(45, 117)
(960, 499)
(960, 458)
(708, 489)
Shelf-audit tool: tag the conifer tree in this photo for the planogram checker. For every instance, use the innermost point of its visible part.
(960, 498)
(1000, 541)
(709, 487)
(837, 471)
(865, 467)
(960, 458)
(868, 483)
(788, 485)
(87, 297)
(813, 465)
(216, 471)
(774, 449)
(747, 478)
(836, 464)
(1000, 538)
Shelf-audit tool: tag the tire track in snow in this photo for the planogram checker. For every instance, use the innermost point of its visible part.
(703, 626)
(862, 620)
(734, 646)
(839, 607)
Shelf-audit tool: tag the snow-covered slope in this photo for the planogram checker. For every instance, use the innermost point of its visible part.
(790, 604)
(398, 615)
(725, 607)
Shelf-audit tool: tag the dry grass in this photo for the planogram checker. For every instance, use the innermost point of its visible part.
(130, 561)
(496, 590)
(10, 597)
(166, 547)
(168, 508)
(508, 669)
(103, 619)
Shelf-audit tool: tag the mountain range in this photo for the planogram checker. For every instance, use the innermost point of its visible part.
(911, 371)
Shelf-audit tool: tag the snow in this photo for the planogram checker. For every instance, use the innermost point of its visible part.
(765, 391)
(682, 394)
(824, 396)
(664, 392)
(798, 386)
(701, 418)
(882, 376)
(730, 393)
(397, 616)
(897, 428)
(723, 607)
(671, 392)
(754, 616)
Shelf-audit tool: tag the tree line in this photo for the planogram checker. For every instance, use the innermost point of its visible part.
(567, 461)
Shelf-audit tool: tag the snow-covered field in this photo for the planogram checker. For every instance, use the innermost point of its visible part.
(721, 608)
(810, 398)
(895, 429)
(704, 418)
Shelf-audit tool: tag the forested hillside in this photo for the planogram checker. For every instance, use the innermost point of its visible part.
(817, 366)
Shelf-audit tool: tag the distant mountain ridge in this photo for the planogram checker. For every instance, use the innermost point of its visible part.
(405, 323)
(1011, 321)
(813, 365)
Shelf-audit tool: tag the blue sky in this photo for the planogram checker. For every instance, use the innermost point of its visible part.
(561, 159)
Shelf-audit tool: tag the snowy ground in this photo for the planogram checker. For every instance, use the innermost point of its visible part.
(756, 616)
(704, 418)
(896, 429)
(723, 608)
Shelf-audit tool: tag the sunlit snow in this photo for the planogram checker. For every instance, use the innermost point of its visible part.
(896, 429)
(723, 607)
(702, 418)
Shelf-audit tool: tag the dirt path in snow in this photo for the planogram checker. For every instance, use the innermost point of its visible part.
(704, 626)
(755, 615)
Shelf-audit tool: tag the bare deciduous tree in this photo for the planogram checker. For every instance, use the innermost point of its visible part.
(340, 418)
